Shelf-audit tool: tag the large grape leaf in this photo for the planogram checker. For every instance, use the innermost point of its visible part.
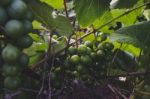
(102, 20)
(89, 10)
(135, 51)
(138, 34)
(57, 4)
(129, 18)
(43, 14)
(63, 26)
(123, 3)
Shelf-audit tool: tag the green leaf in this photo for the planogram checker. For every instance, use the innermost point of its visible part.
(89, 10)
(130, 18)
(57, 4)
(122, 38)
(63, 26)
(126, 19)
(43, 14)
(36, 25)
(35, 37)
(128, 48)
(123, 3)
(138, 34)
(102, 20)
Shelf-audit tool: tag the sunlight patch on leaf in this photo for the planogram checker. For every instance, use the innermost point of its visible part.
(57, 4)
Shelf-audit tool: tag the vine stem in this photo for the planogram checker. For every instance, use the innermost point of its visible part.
(65, 5)
(107, 23)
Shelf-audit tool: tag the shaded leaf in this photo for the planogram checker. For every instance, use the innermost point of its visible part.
(122, 38)
(43, 14)
(63, 26)
(138, 34)
(89, 10)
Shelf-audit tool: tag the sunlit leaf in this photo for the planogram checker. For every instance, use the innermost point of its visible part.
(57, 4)
(89, 10)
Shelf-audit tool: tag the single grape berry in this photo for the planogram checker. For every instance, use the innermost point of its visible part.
(17, 9)
(100, 54)
(75, 59)
(88, 44)
(108, 46)
(86, 60)
(72, 50)
(100, 46)
(24, 41)
(93, 55)
(12, 83)
(10, 70)
(28, 26)
(14, 28)
(23, 60)
(11, 54)
(89, 50)
(82, 49)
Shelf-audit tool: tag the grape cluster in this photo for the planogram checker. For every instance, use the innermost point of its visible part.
(87, 62)
(15, 22)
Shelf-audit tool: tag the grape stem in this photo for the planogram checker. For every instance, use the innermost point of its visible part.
(65, 6)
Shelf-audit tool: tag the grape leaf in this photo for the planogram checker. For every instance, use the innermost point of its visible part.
(89, 10)
(102, 20)
(138, 34)
(130, 18)
(63, 26)
(57, 4)
(43, 14)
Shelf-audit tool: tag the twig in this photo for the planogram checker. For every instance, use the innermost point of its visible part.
(66, 9)
(139, 58)
(29, 90)
(116, 53)
(130, 74)
(112, 89)
(119, 93)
